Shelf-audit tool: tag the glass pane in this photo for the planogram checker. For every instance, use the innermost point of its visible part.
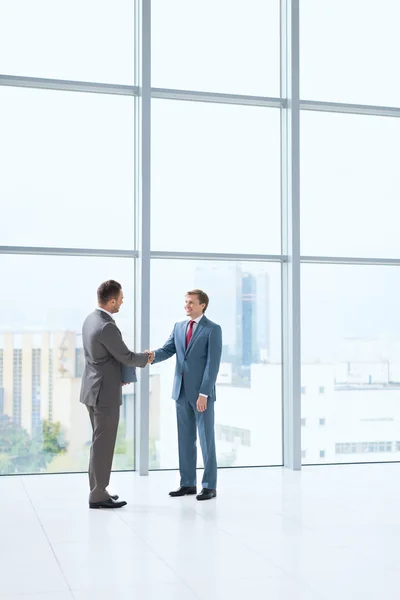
(351, 350)
(216, 46)
(245, 299)
(350, 183)
(67, 169)
(215, 178)
(82, 41)
(349, 51)
(43, 426)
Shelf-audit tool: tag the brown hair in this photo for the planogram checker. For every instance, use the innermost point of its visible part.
(108, 290)
(202, 296)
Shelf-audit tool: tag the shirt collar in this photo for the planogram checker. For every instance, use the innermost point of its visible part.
(198, 319)
(106, 311)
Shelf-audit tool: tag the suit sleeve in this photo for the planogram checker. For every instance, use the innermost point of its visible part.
(167, 350)
(213, 361)
(112, 339)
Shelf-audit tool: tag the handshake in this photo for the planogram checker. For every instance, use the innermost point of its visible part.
(151, 356)
(128, 373)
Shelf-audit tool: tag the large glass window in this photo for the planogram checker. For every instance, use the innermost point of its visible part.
(215, 178)
(68, 181)
(224, 46)
(349, 50)
(245, 299)
(351, 350)
(67, 169)
(90, 40)
(350, 184)
(44, 300)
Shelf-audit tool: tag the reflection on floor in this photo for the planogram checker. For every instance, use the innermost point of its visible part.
(324, 533)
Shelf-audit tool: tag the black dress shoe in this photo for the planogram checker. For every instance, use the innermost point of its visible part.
(110, 503)
(115, 497)
(207, 494)
(184, 491)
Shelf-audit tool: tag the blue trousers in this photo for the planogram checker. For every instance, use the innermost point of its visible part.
(189, 420)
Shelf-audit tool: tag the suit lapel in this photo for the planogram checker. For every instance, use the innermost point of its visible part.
(199, 327)
(182, 335)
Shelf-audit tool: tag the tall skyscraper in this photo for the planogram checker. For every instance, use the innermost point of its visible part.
(252, 319)
(36, 373)
(219, 282)
(247, 300)
(17, 386)
(240, 303)
(79, 362)
(36, 388)
(263, 303)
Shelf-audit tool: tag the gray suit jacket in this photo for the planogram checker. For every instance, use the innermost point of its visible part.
(105, 353)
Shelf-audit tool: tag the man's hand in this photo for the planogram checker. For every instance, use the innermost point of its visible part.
(151, 356)
(201, 403)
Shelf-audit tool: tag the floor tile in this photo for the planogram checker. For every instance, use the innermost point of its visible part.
(319, 534)
(144, 591)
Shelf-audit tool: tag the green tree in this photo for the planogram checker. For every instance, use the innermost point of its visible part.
(53, 438)
(120, 444)
(22, 453)
(15, 446)
(4, 461)
(154, 458)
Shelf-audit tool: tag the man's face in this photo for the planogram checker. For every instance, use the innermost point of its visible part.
(193, 308)
(115, 303)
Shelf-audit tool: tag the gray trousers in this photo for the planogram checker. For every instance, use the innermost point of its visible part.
(189, 419)
(104, 420)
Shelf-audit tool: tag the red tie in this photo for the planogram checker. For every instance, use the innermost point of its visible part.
(189, 332)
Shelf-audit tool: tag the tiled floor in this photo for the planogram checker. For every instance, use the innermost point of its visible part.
(325, 533)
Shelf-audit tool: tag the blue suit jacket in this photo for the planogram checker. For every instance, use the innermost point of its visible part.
(198, 363)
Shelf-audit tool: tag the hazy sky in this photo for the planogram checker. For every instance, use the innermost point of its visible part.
(68, 159)
(349, 51)
(81, 40)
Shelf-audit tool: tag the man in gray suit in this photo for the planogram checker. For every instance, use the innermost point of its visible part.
(101, 391)
(197, 343)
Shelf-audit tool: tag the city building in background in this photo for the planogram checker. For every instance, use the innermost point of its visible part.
(350, 386)
(350, 408)
(243, 311)
(40, 379)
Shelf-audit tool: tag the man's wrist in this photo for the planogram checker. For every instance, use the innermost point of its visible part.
(203, 395)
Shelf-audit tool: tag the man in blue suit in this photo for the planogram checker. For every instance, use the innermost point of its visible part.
(197, 343)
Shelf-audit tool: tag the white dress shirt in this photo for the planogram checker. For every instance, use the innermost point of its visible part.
(196, 322)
